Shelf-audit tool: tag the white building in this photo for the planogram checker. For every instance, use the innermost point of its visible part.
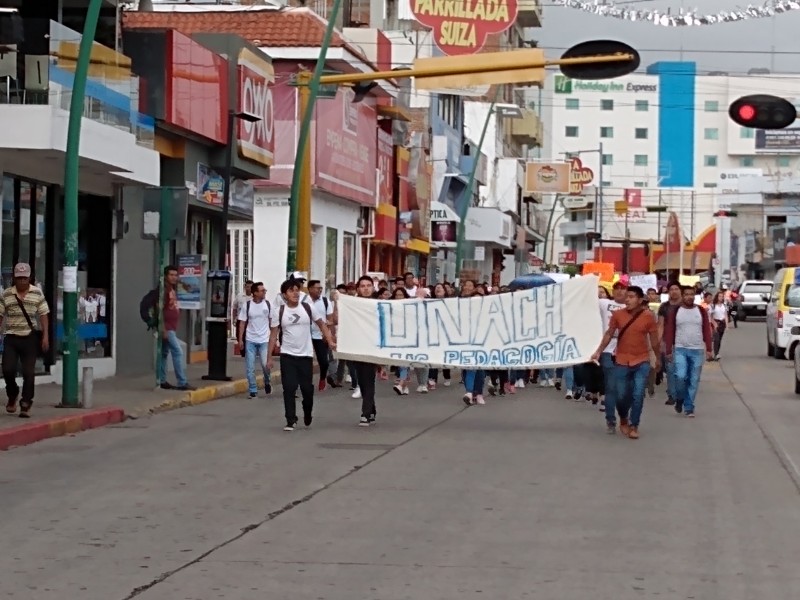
(666, 135)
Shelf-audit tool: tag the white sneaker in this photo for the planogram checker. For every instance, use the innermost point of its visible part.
(357, 393)
(520, 383)
(422, 389)
(348, 379)
(479, 399)
(446, 383)
(467, 398)
(542, 383)
(569, 396)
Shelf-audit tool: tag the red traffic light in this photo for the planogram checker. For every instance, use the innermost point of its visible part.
(763, 111)
(747, 112)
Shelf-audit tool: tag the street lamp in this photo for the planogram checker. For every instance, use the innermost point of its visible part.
(218, 330)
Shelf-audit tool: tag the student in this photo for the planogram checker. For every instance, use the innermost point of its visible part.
(364, 371)
(293, 322)
(253, 336)
(324, 307)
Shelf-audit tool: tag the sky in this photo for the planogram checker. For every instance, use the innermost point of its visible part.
(732, 47)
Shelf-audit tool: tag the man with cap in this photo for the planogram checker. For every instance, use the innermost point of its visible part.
(298, 278)
(21, 306)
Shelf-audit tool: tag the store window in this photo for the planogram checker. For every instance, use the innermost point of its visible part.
(349, 257)
(331, 257)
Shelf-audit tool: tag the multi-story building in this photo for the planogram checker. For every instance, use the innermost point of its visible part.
(659, 138)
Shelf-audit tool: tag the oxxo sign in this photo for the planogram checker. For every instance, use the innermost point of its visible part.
(256, 76)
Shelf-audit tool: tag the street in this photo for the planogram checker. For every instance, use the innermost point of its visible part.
(526, 497)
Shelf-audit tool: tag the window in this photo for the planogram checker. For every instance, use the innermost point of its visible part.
(709, 160)
(606, 184)
(449, 109)
(640, 160)
(606, 132)
(711, 133)
(640, 184)
(709, 185)
(783, 161)
(711, 106)
(606, 105)
(608, 159)
(746, 133)
(642, 106)
(571, 131)
(573, 104)
(640, 133)
(746, 161)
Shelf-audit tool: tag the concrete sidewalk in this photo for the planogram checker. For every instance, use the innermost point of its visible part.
(114, 400)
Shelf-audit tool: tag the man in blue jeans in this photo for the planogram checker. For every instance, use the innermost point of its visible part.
(637, 333)
(687, 341)
(254, 328)
(606, 360)
(170, 316)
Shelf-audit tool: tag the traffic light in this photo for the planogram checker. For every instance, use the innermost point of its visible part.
(761, 111)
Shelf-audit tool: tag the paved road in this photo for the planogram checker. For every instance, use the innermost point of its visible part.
(526, 497)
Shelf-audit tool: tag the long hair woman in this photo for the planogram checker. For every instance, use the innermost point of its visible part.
(718, 311)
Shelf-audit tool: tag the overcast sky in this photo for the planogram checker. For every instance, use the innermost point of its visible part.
(732, 47)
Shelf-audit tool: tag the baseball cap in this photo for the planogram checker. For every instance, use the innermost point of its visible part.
(22, 270)
(297, 276)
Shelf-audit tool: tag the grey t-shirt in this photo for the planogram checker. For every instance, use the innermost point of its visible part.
(689, 328)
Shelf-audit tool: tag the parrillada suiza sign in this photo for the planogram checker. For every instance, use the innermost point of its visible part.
(462, 26)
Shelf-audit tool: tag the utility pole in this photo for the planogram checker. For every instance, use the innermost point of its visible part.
(600, 200)
(69, 387)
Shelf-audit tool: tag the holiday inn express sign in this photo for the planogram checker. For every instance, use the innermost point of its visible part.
(565, 85)
(462, 26)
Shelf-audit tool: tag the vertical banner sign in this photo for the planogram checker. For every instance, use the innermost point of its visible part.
(256, 139)
(462, 26)
(554, 325)
(190, 277)
(385, 170)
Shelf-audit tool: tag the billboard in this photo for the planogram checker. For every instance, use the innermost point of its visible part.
(256, 140)
(729, 191)
(462, 27)
(346, 148)
(547, 177)
(778, 141)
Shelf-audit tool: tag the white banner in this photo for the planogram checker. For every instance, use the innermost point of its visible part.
(549, 326)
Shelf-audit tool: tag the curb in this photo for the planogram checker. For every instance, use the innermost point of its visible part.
(36, 432)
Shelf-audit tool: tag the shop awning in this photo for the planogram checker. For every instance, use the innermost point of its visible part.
(441, 212)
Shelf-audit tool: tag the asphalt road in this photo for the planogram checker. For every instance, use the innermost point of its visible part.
(526, 497)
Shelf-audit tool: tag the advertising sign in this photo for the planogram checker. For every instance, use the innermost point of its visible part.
(190, 276)
(673, 237)
(778, 141)
(547, 177)
(462, 26)
(729, 190)
(544, 327)
(570, 257)
(210, 185)
(579, 177)
(444, 225)
(346, 148)
(385, 170)
(564, 85)
(256, 140)
(635, 212)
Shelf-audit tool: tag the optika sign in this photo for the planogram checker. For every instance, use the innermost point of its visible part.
(462, 26)
(256, 76)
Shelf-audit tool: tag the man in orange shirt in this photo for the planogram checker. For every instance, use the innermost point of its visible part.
(636, 331)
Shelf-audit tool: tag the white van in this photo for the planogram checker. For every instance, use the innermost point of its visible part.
(783, 313)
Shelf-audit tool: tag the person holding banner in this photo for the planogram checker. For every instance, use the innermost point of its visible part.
(366, 372)
(606, 360)
(473, 378)
(636, 334)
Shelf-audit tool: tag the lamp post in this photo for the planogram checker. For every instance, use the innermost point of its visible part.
(218, 329)
(69, 388)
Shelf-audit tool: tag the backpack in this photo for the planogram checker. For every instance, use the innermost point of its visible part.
(148, 308)
(280, 319)
(247, 322)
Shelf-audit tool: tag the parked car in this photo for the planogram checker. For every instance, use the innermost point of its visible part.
(753, 298)
(783, 313)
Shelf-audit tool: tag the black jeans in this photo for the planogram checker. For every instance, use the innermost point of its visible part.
(433, 375)
(499, 377)
(366, 383)
(323, 357)
(718, 333)
(297, 371)
(593, 378)
(20, 349)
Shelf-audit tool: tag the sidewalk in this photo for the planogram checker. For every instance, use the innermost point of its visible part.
(114, 400)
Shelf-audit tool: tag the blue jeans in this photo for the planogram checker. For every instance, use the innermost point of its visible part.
(669, 371)
(170, 345)
(610, 386)
(687, 365)
(546, 375)
(251, 349)
(573, 378)
(631, 387)
(474, 380)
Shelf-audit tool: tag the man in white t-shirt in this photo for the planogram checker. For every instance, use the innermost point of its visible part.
(253, 335)
(300, 280)
(607, 308)
(292, 322)
(323, 307)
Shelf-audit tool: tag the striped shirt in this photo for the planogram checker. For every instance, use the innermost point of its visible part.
(12, 315)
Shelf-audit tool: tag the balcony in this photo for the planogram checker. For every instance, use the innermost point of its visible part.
(576, 228)
(530, 13)
(528, 129)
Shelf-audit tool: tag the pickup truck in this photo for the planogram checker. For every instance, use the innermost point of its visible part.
(751, 301)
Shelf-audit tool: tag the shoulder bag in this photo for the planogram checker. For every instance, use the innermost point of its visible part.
(36, 333)
(625, 328)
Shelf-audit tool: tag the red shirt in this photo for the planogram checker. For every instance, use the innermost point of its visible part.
(171, 310)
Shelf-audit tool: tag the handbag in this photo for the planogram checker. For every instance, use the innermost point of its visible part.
(34, 331)
(624, 329)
